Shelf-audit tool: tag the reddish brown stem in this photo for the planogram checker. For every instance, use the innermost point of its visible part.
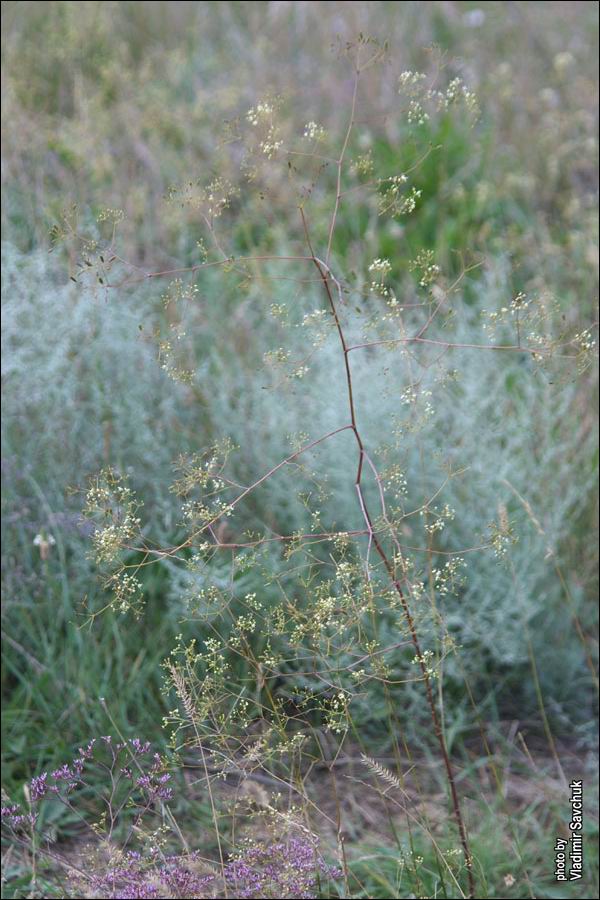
(325, 275)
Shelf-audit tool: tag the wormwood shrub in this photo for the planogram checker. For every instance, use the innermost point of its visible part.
(302, 627)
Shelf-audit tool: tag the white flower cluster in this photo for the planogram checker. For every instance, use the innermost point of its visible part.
(114, 216)
(260, 112)
(425, 662)
(363, 165)
(427, 271)
(501, 537)
(457, 90)
(261, 116)
(197, 512)
(408, 396)
(417, 114)
(317, 321)
(271, 143)
(393, 200)
(243, 625)
(517, 306)
(584, 341)
(313, 132)
(409, 203)
(111, 504)
(394, 480)
(167, 357)
(213, 198)
(279, 311)
(441, 517)
(381, 267)
(337, 713)
(410, 79)
(449, 577)
(178, 291)
(217, 196)
(127, 590)
(300, 372)
(412, 84)
(279, 355)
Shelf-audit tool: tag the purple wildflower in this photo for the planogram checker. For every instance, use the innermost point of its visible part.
(64, 773)
(12, 815)
(291, 868)
(87, 752)
(38, 787)
(136, 877)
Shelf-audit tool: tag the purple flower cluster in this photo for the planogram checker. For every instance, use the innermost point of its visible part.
(286, 869)
(135, 779)
(38, 787)
(15, 819)
(128, 758)
(291, 868)
(155, 785)
(66, 775)
(136, 877)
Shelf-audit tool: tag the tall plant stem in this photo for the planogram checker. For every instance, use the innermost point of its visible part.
(327, 276)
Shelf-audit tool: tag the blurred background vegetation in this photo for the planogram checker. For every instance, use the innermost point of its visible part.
(108, 105)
